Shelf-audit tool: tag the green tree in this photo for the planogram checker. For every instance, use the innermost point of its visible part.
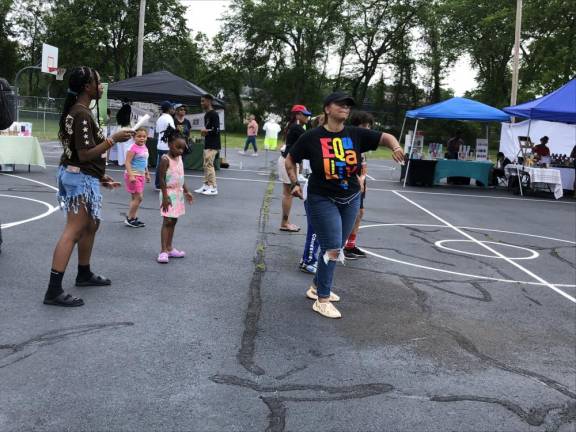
(485, 29)
(8, 46)
(30, 30)
(548, 46)
(377, 26)
(440, 49)
(293, 38)
(103, 34)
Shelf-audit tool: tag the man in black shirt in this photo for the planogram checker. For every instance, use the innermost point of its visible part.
(211, 134)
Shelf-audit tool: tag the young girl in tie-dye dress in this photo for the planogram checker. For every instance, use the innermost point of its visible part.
(173, 193)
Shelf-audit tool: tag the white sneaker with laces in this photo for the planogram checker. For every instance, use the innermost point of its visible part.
(241, 152)
(312, 294)
(210, 191)
(201, 189)
(326, 309)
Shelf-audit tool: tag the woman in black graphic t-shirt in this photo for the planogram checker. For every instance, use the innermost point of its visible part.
(334, 152)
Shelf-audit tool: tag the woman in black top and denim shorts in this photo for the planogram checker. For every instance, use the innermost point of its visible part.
(80, 175)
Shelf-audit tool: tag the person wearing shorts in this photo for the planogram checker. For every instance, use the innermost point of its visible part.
(298, 116)
(135, 176)
(80, 174)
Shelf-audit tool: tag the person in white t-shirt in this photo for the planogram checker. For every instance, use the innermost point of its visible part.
(272, 130)
(166, 119)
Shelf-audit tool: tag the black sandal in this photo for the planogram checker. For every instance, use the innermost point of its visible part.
(95, 280)
(65, 300)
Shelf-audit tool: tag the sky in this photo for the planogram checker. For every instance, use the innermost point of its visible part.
(203, 15)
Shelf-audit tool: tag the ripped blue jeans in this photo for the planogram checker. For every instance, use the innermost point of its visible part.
(76, 189)
(333, 220)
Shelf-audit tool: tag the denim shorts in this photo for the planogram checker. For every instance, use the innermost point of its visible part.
(75, 189)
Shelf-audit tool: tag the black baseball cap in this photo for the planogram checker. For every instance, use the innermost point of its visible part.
(339, 97)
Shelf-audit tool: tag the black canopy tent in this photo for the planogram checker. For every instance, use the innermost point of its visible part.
(157, 87)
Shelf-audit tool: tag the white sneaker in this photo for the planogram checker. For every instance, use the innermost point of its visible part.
(210, 191)
(312, 294)
(241, 152)
(203, 189)
(255, 154)
(326, 309)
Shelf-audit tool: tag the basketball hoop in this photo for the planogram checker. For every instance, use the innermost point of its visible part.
(60, 74)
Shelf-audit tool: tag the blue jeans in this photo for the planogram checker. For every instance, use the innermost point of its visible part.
(333, 220)
(251, 140)
(310, 255)
(160, 153)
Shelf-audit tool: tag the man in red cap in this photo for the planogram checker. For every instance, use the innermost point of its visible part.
(299, 115)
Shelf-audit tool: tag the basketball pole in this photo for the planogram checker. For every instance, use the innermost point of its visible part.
(140, 52)
(17, 88)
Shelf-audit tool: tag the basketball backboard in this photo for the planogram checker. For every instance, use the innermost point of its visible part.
(49, 59)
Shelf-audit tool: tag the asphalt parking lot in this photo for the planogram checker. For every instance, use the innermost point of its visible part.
(462, 318)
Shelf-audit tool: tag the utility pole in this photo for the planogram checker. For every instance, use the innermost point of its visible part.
(515, 66)
(140, 55)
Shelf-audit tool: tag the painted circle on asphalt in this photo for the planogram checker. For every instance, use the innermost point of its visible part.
(532, 253)
(50, 209)
(468, 275)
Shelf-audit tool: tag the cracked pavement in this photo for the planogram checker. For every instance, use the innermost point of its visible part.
(226, 340)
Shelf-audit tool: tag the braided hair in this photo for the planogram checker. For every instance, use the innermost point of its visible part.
(171, 134)
(123, 116)
(78, 79)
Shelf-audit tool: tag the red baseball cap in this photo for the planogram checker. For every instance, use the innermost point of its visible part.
(302, 109)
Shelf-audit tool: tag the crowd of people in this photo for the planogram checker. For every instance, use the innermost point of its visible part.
(330, 150)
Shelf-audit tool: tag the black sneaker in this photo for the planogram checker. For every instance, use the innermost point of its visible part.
(132, 223)
(139, 223)
(354, 253)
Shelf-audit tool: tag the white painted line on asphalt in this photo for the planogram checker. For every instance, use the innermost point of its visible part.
(394, 190)
(440, 244)
(472, 229)
(196, 176)
(455, 273)
(51, 209)
(476, 196)
(370, 177)
(33, 181)
(492, 250)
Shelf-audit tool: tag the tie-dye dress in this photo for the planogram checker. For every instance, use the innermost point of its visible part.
(175, 189)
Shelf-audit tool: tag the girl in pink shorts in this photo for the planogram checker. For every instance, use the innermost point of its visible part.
(135, 175)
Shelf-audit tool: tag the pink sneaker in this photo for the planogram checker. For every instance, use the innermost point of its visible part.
(163, 258)
(175, 253)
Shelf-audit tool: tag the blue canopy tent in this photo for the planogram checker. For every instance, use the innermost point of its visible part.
(457, 108)
(558, 106)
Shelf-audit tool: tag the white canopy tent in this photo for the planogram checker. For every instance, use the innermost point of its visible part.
(562, 136)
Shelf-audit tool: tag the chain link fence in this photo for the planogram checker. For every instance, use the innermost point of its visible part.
(43, 113)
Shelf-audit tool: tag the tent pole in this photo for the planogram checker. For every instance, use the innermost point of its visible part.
(402, 130)
(518, 169)
(410, 153)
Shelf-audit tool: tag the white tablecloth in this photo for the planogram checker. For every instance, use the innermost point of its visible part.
(549, 176)
(567, 175)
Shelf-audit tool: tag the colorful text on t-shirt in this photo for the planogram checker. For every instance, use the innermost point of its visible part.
(340, 159)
